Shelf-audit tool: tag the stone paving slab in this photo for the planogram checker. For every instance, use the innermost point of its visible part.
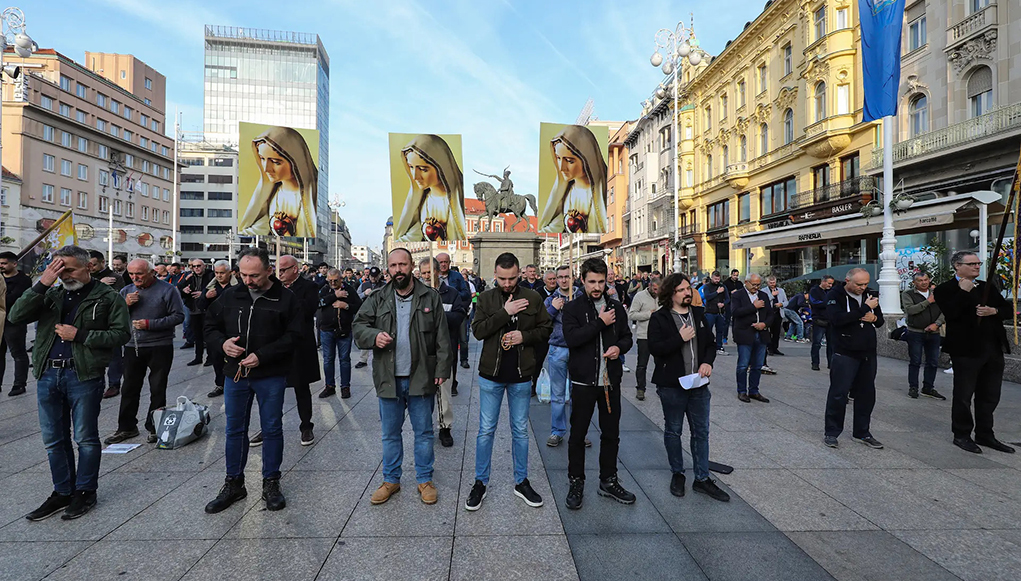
(868, 556)
(634, 556)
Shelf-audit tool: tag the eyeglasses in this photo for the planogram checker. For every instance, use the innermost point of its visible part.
(197, 265)
(286, 268)
(333, 282)
(972, 263)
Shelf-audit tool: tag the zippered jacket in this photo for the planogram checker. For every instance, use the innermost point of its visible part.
(491, 319)
(101, 320)
(583, 330)
(270, 327)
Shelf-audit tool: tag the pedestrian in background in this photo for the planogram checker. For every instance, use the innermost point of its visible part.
(643, 305)
(338, 303)
(753, 315)
(817, 298)
(14, 336)
(455, 312)
(223, 279)
(924, 322)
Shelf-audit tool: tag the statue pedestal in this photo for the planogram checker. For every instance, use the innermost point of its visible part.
(489, 245)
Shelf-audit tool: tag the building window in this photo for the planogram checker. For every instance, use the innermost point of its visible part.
(849, 167)
(918, 111)
(143, 142)
(65, 167)
(688, 132)
(115, 107)
(48, 163)
(193, 195)
(916, 34)
(104, 152)
(148, 101)
(47, 133)
(46, 102)
(115, 131)
(166, 216)
(776, 197)
(708, 118)
(129, 160)
(977, 5)
(100, 125)
(788, 59)
(166, 195)
(65, 110)
(689, 177)
(155, 126)
(744, 208)
(708, 167)
(820, 101)
(83, 145)
(145, 166)
(843, 99)
(148, 83)
(820, 22)
(83, 172)
(127, 112)
(741, 96)
(117, 207)
(104, 177)
(718, 215)
(193, 229)
(143, 188)
(230, 196)
(47, 193)
(192, 212)
(3, 196)
(131, 209)
(763, 80)
(82, 91)
(217, 179)
(763, 139)
(145, 212)
(83, 201)
(128, 136)
(143, 120)
(65, 83)
(723, 106)
(81, 117)
(193, 179)
(65, 139)
(101, 100)
(65, 197)
(163, 150)
(104, 203)
(821, 176)
(743, 150)
(215, 213)
(980, 91)
(843, 19)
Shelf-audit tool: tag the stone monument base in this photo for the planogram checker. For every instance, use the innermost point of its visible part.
(489, 245)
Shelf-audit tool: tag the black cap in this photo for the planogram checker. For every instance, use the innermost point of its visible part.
(374, 271)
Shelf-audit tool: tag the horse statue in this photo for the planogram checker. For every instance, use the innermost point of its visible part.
(504, 200)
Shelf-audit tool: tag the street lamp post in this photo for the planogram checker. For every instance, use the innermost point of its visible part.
(13, 22)
(679, 44)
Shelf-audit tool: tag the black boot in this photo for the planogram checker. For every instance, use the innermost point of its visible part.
(82, 502)
(272, 495)
(217, 391)
(328, 391)
(233, 490)
(576, 493)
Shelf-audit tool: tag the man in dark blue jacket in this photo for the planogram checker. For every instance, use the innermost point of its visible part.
(820, 320)
(456, 312)
(752, 317)
(853, 315)
(454, 280)
(716, 300)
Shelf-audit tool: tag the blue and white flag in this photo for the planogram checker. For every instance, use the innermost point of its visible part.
(881, 25)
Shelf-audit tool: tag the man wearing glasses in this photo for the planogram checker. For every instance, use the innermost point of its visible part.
(338, 303)
(192, 286)
(752, 317)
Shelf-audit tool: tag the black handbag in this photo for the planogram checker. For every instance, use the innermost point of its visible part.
(899, 334)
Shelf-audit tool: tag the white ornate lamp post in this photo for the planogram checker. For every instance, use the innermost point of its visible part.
(13, 20)
(679, 44)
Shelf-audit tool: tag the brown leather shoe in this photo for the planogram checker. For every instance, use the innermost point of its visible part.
(384, 492)
(743, 397)
(427, 491)
(112, 391)
(759, 397)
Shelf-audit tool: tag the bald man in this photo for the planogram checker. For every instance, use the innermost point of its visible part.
(155, 309)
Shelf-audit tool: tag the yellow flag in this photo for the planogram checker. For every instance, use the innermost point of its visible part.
(37, 255)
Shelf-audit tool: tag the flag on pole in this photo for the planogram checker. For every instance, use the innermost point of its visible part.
(35, 257)
(881, 24)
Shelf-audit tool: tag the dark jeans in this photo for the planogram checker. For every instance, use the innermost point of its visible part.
(719, 326)
(693, 403)
(218, 363)
(643, 362)
(14, 340)
(453, 362)
(186, 328)
(69, 407)
(116, 368)
(237, 400)
(463, 343)
(775, 330)
(818, 332)
(750, 359)
(979, 378)
(158, 360)
(585, 399)
(856, 376)
(726, 320)
(197, 335)
(334, 346)
(303, 397)
(919, 343)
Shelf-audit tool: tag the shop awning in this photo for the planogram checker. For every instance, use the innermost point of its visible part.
(922, 214)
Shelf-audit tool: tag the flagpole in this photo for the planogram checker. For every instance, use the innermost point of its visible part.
(889, 281)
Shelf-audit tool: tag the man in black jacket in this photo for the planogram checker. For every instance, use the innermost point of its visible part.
(820, 320)
(752, 317)
(100, 272)
(733, 285)
(977, 342)
(854, 316)
(338, 303)
(683, 344)
(14, 335)
(222, 280)
(193, 286)
(456, 312)
(257, 325)
(597, 333)
(716, 299)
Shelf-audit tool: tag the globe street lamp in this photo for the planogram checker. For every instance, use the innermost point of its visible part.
(13, 21)
(679, 45)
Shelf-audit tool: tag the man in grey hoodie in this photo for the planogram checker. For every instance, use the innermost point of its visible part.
(643, 305)
(155, 308)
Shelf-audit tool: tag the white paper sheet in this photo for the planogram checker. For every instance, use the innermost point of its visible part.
(692, 381)
(120, 448)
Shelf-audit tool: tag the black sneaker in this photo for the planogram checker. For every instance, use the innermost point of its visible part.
(709, 488)
(194, 362)
(307, 437)
(831, 441)
(120, 436)
(51, 506)
(476, 496)
(913, 392)
(611, 488)
(446, 440)
(640, 395)
(870, 442)
(525, 492)
(933, 394)
(217, 391)
(256, 439)
(232, 491)
(815, 368)
(576, 493)
(361, 364)
(82, 502)
(18, 391)
(465, 365)
(677, 485)
(345, 392)
(152, 438)
(272, 495)
(187, 346)
(327, 392)
(453, 389)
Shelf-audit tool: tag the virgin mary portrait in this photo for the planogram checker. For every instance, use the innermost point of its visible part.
(577, 202)
(283, 204)
(434, 207)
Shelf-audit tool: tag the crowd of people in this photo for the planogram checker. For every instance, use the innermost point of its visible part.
(101, 331)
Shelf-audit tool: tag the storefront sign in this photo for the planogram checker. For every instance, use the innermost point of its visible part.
(778, 223)
(820, 213)
(718, 236)
(809, 236)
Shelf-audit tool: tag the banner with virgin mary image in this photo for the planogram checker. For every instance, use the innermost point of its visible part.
(278, 177)
(572, 178)
(427, 187)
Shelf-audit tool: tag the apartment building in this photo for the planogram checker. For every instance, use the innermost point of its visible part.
(616, 196)
(208, 206)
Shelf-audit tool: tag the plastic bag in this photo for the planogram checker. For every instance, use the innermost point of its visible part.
(542, 386)
(181, 424)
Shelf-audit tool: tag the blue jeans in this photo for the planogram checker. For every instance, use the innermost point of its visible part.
(718, 324)
(797, 326)
(519, 396)
(391, 416)
(68, 406)
(187, 326)
(332, 345)
(818, 333)
(237, 403)
(693, 403)
(560, 400)
(750, 356)
(919, 344)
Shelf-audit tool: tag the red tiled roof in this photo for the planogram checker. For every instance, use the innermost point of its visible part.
(9, 175)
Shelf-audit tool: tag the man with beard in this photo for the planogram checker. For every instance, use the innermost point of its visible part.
(817, 297)
(155, 309)
(338, 303)
(80, 323)
(456, 313)
(716, 299)
(192, 288)
(404, 324)
(257, 326)
(14, 336)
(99, 271)
(733, 286)
(510, 321)
(373, 282)
(222, 280)
(597, 333)
(120, 268)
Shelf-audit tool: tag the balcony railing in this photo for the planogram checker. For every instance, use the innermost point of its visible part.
(993, 123)
(689, 229)
(971, 24)
(846, 189)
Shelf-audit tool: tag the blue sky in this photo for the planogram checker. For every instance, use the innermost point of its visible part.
(491, 70)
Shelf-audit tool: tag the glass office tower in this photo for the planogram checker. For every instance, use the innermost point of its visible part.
(275, 78)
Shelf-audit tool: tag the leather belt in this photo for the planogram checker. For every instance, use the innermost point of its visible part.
(60, 363)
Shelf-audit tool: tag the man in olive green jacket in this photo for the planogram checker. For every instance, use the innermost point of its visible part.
(80, 323)
(406, 327)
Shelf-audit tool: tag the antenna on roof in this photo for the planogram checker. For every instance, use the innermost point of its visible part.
(586, 113)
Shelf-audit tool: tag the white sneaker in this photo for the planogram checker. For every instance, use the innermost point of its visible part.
(627, 369)
(949, 371)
